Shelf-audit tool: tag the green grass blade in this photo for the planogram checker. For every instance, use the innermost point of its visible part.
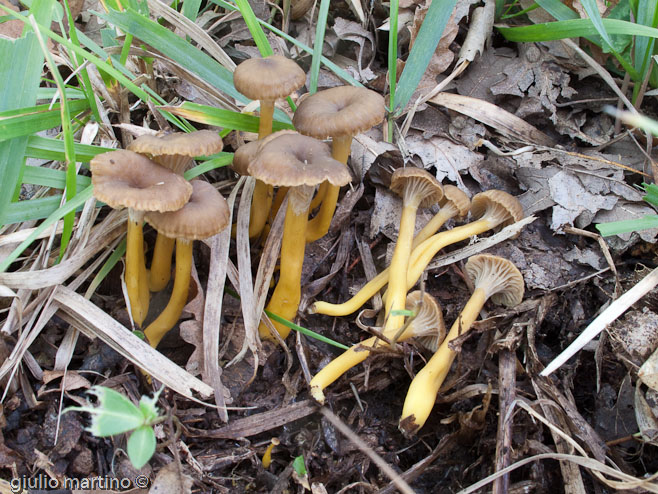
(191, 9)
(626, 226)
(430, 32)
(595, 16)
(254, 27)
(551, 31)
(304, 331)
(48, 177)
(392, 61)
(647, 15)
(27, 121)
(48, 148)
(222, 159)
(33, 209)
(221, 118)
(22, 58)
(106, 268)
(176, 48)
(651, 194)
(55, 216)
(557, 9)
(318, 44)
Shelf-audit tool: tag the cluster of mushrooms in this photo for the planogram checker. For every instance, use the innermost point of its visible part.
(147, 179)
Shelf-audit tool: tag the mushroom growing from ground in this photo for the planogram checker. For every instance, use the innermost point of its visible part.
(174, 151)
(205, 215)
(417, 188)
(301, 163)
(494, 277)
(340, 113)
(267, 80)
(126, 179)
(490, 210)
(428, 324)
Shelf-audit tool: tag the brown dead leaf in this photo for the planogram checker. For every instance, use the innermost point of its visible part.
(354, 32)
(72, 381)
(171, 480)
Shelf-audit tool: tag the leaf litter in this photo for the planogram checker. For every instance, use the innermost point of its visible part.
(534, 127)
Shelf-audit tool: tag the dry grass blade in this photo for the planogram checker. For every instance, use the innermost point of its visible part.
(95, 323)
(190, 29)
(399, 482)
(506, 233)
(489, 114)
(101, 236)
(212, 311)
(614, 310)
(19, 236)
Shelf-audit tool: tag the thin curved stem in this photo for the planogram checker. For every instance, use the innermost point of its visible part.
(425, 386)
(161, 263)
(135, 270)
(170, 315)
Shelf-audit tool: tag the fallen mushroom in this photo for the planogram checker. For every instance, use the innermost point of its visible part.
(205, 215)
(418, 188)
(301, 163)
(490, 210)
(267, 80)
(427, 323)
(494, 277)
(123, 178)
(454, 204)
(340, 113)
(174, 151)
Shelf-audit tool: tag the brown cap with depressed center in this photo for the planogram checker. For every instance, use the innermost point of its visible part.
(428, 325)
(456, 198)
(268, 78)
(339, 111)
(174, 151)
(415, 182)
(498, 205)
(248, 152)
(205, 215)
(292, 159)
(501, 280)
(122, 178)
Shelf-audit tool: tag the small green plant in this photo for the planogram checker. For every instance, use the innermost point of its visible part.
(625, 226)
(116, 414)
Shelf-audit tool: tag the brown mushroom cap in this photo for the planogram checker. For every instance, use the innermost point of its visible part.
(268, 78)
(198, 143)
(457, 198)
(417, 182)
(428, 325)
(339, 111)
(292, 159)
(248, 152)
(123, 178)
(501, 280)
(205, 215)
(501, 206)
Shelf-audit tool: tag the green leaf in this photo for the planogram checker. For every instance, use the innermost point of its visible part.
(651, 194)
(557, 9)
(403, 312)
(222, 160)
(141, 446)
(26, 121)
(53, 149)
(221, 118)
(430, 32)
(113, 414)
(47, 177)
(304, 331)
(318, 44)
(299, 466)
(625, 226)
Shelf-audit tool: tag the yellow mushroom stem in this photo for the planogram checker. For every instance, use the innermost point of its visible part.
(319, 195)
(354, 356)
(135, 276)
(170, 315)
(287, 293)
(161, 262)
(420, 258)
(267, 456)
(319, 225)
(266, 117)
(434, 225)
(425, 386)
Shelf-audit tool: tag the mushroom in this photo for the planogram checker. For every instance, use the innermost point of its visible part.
(205, 215)
(126, 179)
(427, 324)
(175, 151)
(494, 277)
(455, 203)
(418, 188)
(266, 79)
(340, 113)
(490, 210)
(301, 163)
